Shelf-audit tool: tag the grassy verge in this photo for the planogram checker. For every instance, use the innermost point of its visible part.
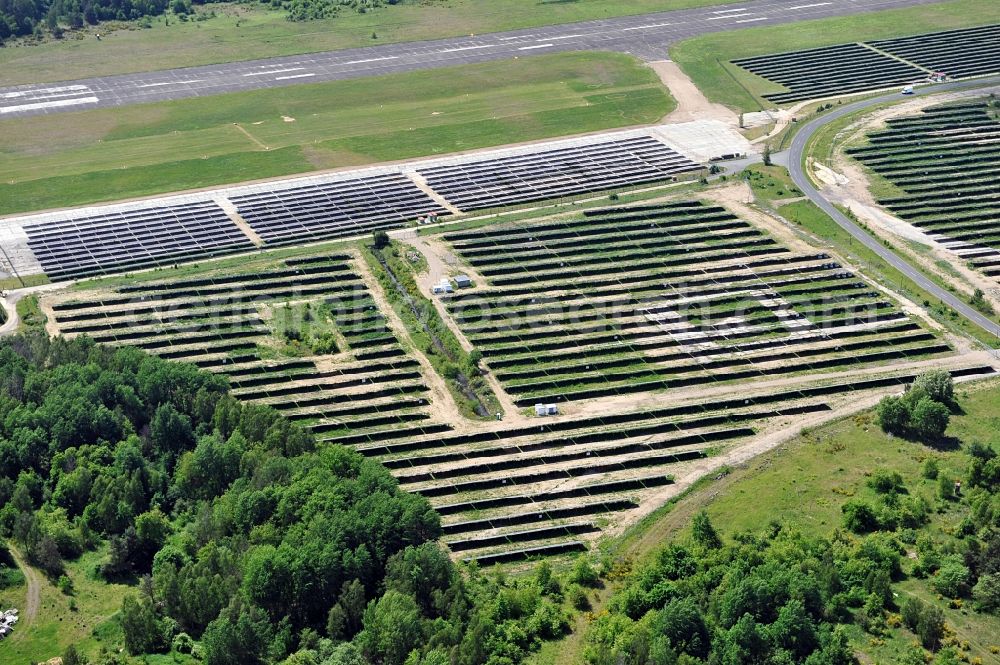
(30, 314)
(83, 157)
(458, 367)
(706, 59)
(231, 31)
(772, 183)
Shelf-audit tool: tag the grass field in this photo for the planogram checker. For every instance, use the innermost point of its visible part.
(243, 32)
(805, 483)
(706, 59)
(75, 158)
(57, 625)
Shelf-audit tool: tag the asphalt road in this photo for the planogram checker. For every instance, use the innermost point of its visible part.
(802, 181)
(646, 36)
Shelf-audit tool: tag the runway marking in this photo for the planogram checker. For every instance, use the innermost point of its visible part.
(815, 4)
(751, 20)
(731, 11)
(48, 105)
(275, 71)
(294, 76)
(716, 18)
(156, 85)
(528, 48)
(36, 91)
(647, 27)
(358, 62)
(507, 39)
(467, 48)
(552, 39)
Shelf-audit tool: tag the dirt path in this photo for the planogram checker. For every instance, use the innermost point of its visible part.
(691, 103)
(33, 598)
(441, 263)
(442, 407)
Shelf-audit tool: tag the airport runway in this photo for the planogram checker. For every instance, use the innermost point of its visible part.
(647, 36)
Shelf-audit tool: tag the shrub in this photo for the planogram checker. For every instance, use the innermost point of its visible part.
(860, 517)
(930, 470)
(884, 481)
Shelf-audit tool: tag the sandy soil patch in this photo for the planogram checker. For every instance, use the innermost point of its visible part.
(691, 103)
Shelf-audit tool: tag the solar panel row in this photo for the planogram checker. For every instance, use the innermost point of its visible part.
(334, 210)
(117, 241)
(851, 68)
(957, 53)
(833, 70)
(554, 173)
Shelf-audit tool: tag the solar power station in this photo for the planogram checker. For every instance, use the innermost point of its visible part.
(115, 241)
(835, 70)
(958, 53)
(946, 160)
(488, 183)
(851, 68)
(334, 210)
(318, 208)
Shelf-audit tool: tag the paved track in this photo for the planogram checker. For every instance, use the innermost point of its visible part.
(646, 36)
(802, 181)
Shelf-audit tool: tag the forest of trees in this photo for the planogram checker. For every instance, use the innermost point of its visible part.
(245, 542)
(26, 17)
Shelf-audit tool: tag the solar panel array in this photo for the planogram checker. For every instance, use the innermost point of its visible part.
(833, 70)
(334, 210)
(136, 239)
(957, 53)
(550, 174)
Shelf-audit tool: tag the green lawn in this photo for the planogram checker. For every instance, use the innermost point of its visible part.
(245, 32)
(57, 626)
(83, 157)
(706, 59)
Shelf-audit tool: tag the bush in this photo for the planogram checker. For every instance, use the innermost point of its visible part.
(986, 593)
(860, 517)
(929, 419)
(952, 579)
(583, 573)
(884, 481)
(892, 415)
(930, 470)
(577, 597)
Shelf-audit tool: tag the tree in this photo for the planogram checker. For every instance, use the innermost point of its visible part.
(938, 385)
(912, 610)
(73, 657)
(986, 593)
(392, 628)
(380, 239)
(704, 533)
(892, 415)
(142, 628)
(767, 154)
(930, 628)
(929, 419)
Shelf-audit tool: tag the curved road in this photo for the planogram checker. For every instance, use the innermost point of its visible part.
(646, 36)
(801, 179)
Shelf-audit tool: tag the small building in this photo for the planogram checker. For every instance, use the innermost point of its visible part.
(444, 286)
(463, 281)
(546, 410)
